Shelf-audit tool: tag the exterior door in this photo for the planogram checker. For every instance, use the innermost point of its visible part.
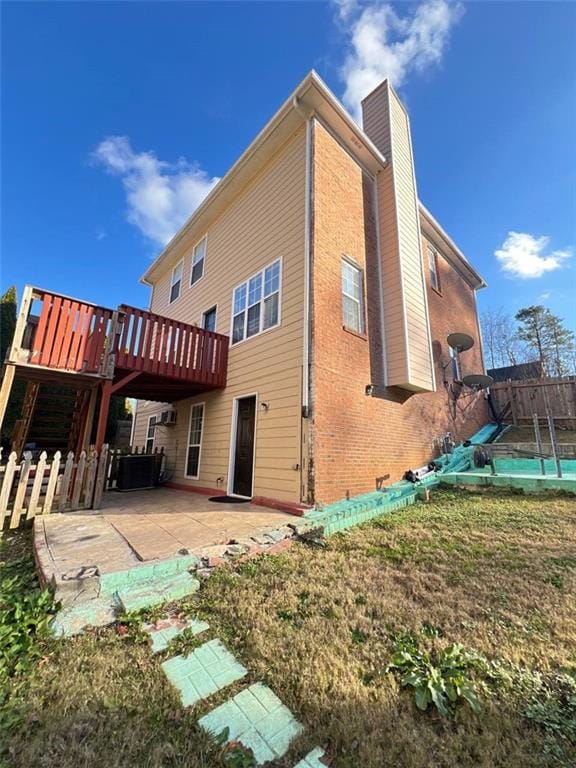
(244, 450)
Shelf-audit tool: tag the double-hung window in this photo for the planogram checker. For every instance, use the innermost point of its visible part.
(176, 281)
(198, 254)
(433, 267)
(256, 304)
(150, 434)
(352, 297)
(194, 441)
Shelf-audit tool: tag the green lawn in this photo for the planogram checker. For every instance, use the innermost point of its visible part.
(495, 573)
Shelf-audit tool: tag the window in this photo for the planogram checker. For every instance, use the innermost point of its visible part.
(209, 320)
(150, 434)
(455, 363)
(256, 304)
(194, 441)
(433, 266)
(198, 255)
(176, 282)
(352, 304)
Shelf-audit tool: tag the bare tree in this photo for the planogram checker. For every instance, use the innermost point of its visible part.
(502, 347)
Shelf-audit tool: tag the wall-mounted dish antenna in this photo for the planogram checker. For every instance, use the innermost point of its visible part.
(460, 341)
(477, 381)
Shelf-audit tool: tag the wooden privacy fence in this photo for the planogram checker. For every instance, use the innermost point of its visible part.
(519, 400)
(37, 487)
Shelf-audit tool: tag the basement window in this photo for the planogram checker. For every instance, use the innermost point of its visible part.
(195, 441)
(256, 304)
(176, 281)
(198, 254)
(352, 297)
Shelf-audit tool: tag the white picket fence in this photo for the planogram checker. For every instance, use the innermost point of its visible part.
(28, 489)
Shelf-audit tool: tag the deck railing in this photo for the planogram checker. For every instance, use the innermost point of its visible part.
(67, 334)
(63, 333)
(158, 345)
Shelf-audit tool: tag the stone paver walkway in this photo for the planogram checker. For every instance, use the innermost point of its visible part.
(312, 760)
(257, 718)
(163, 631)
(203, 672)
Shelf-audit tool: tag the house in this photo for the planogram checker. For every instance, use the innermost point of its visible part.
(337, 289)
(518, 372)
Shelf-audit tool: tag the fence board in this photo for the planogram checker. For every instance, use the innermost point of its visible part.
(65, 484)
(78, 480)
(37, 486)
(541, 396)
(18, 508)
(9, 472)
(52, 479)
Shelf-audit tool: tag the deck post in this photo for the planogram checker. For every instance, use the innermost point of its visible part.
(86, 426)
(103, 415)
(5, 389)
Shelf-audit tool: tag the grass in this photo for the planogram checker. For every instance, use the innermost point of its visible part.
(495, 573)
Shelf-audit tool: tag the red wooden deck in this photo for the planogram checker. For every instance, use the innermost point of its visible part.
(147, 356)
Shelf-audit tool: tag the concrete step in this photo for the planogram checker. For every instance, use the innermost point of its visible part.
(135, 597)
(110, 583)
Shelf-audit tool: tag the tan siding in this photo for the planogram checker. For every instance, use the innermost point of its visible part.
(408, 358)
(265, 222)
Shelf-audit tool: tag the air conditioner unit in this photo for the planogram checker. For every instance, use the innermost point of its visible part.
(136, 472)
(168, 418)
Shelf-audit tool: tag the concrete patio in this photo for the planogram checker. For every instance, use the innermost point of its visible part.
(143, 526)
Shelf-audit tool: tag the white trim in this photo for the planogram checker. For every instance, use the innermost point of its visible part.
(172, 283)
(205, 238)
(192, 406)
(232, 452)
(307, 270)
(247, 282)
(214, 306)
(380, 279)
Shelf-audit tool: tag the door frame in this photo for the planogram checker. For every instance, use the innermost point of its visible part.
(232, 454)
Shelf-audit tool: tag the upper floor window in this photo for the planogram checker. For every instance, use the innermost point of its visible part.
(209, 320)
(198, 255)
(176, 281)
(433, 267)
(352, 297)
(256, 304)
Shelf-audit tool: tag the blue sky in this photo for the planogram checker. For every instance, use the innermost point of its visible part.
(490, 87)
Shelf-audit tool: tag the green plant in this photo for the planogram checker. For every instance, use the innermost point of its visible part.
(234, 753)
(441, 677)
(26, 611)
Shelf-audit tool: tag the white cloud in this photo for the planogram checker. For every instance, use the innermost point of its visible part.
(160, 195)
(384, 44)
(522, 255)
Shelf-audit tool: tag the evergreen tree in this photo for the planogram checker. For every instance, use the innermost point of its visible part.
(7, 320)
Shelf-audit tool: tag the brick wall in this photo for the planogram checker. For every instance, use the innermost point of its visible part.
(355, 437)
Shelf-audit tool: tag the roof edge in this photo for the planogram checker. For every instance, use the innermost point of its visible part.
(474, 278)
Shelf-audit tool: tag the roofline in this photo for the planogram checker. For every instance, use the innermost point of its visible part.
(295, 102)
(476, 280)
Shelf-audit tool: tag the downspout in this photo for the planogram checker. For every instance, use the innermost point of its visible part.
(305, 413)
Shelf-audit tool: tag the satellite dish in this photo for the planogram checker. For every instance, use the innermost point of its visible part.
(460, 341)
(477, 381)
